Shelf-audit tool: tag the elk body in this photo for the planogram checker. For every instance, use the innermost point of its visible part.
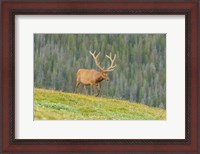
(91, 77)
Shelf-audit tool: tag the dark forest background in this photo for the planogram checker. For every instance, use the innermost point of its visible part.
(140, 75)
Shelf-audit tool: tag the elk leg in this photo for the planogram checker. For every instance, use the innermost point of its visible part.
(85, 89)
(92, 90)
(98, 88)
(77, 84)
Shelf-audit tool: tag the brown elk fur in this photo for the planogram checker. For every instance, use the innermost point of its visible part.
(90, 77)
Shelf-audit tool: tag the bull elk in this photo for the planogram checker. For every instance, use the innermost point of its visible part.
(91, 77)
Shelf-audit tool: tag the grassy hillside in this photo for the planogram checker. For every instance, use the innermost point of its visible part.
(56, 105)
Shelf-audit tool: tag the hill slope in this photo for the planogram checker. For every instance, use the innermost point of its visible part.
(56, 105)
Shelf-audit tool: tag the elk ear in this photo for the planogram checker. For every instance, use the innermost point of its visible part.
(104, 73)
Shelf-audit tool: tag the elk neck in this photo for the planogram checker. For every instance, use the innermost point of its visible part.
(100, 78)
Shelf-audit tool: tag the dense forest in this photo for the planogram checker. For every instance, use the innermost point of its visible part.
(140, 74)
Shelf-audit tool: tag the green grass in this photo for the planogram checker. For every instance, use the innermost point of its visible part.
(56, 105)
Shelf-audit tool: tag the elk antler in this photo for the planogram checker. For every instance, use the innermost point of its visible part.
(95, 59)
(111, 68)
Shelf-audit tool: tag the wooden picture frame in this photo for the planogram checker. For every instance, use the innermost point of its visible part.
(46, 7)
